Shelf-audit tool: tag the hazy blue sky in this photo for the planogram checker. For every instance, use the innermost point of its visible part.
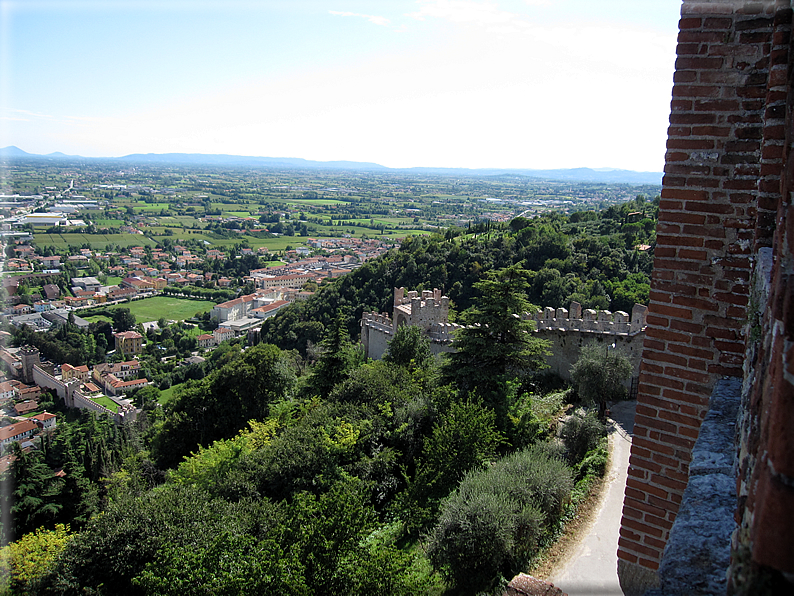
(455, 83)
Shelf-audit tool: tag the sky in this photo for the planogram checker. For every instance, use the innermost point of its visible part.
(403, 83)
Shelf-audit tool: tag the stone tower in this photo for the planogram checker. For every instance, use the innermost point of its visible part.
(30, 358)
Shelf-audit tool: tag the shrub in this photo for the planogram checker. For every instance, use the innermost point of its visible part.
(489, 528)
(581, 433)
(594, 462)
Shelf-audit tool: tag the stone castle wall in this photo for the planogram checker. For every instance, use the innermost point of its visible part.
(70, 393)
(566, 330)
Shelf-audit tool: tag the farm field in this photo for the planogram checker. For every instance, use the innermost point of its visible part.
(316, 201)
(95, 241)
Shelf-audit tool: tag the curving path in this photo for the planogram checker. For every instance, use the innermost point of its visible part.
(591, 568)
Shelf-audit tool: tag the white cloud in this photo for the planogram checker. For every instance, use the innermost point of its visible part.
(466, 11)
(374, 19)
(29, 113)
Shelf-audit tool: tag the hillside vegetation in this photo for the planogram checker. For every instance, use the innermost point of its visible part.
(294, 466)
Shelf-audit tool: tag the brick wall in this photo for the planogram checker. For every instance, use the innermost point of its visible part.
(722, 168)
(763, 542)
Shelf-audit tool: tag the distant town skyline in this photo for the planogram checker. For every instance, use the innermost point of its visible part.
(401, 83)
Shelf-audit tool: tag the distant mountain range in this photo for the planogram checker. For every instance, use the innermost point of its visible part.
(606, 175)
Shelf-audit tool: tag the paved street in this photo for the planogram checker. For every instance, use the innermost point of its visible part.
(591, 569)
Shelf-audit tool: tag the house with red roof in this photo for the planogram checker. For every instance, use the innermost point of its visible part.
(17, 432)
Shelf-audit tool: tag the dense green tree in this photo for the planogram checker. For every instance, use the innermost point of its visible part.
(30, 492)
(464, 438)
(409, 347)
(123, 319)
(24, 562)
(599, 374)
(222, 403)
(496, 345)
(338, 357)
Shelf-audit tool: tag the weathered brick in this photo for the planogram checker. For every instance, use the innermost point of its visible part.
(682, 372)
(645, 507)
(684, 194)
(717, 105)
(672, 311)
(697, 255)
(731, 298)
(650, 489)
(657, 296)
(692, 118)
(689, 144)
(686, 62)
(653, 542)
(683, 217)
(703, 207)
(711, 131)
(695, 303)
(674, 264)
(657, 424)
(690, 351)
(665, 357)
(686, 326)
(652, 319)
(739, 184)
(722, 333)
(626, 556)
(695, 91)
(715, 23)
(679, 240)
(700, 36)
(652, 564)
(704, 182)
(667, 335)
(659, 380)
(640, 548)
(697, 230)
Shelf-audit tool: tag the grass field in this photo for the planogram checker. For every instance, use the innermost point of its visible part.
(167, 395)
(316, 201)
(113, 281)
(404, 233)
(177, 309)
(107, 402)
(151, 206)
(97, 318)
(272, 244)
(61, 241)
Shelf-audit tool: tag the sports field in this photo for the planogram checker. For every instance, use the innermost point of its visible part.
(172, 308)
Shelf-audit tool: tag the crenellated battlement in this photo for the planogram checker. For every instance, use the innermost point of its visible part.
(427, 299)
(600, 321)
(376, 320)
(429, 310)
(443, 332)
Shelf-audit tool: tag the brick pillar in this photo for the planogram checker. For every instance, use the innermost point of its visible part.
(700, 283)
